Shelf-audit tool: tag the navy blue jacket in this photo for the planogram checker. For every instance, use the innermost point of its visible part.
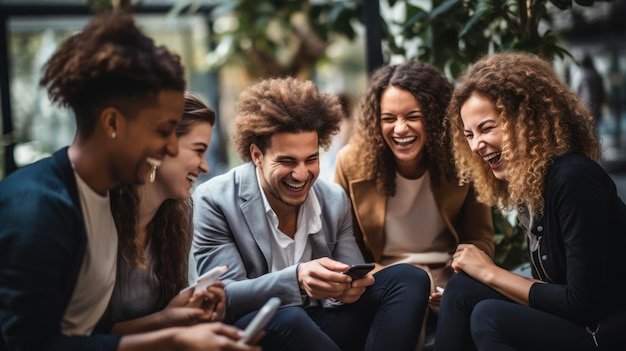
(583, 236)
(42, 244)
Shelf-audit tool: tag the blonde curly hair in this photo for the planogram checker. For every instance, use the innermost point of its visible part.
(542, 119)
(284, 105)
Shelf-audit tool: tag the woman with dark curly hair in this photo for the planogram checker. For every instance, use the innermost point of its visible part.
(528, 143)
(398, 173)
(58, 241)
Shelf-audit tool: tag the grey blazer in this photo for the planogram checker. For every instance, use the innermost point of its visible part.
(231, 229)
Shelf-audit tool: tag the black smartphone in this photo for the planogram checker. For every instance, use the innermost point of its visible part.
(358, 271)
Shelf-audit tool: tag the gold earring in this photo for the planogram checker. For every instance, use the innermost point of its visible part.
(113, 135)
(153, 174)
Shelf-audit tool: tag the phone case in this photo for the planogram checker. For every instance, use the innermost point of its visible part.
(358, 271)
(260, 320)
(207, 278)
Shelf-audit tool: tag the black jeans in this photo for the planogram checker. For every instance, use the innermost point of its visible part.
(388, 316)
(473, 316)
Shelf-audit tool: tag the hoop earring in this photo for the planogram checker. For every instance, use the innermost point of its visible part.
(153, 174)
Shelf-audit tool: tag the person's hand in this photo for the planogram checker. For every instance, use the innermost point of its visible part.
(211, 337)
(215, 301)
(473, 261)
(434, 299)
(191, 307)
(322, 278)
(356, 289)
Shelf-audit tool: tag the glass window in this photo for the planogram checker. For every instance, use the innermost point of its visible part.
(41, 128)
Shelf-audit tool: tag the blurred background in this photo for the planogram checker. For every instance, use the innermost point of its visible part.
(226, 45)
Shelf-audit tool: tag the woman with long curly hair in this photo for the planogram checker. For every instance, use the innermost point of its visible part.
(397, 171)
(154, 222)
(527, 142)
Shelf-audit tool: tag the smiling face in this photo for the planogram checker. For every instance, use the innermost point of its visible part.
(145, 140)
(288, 168)
(177, 174)
(402, 129)
(483, 130)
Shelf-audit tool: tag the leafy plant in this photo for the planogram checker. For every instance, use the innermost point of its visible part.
(453, 33)
(510, 240)
(277, 37)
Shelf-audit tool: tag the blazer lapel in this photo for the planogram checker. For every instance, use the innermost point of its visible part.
(254, 211)
(370, 214)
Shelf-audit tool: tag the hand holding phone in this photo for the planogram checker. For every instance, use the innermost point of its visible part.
(207, 279)
(260, 320)
(358, 271)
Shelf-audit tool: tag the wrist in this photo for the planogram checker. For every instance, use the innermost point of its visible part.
(159, 319)
(164, 339)
(303, 295)
(489, 275)
(172, 340)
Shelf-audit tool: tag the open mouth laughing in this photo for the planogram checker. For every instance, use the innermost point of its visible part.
(404, 141)
(294, 185)
(192, 177)
(493, 159)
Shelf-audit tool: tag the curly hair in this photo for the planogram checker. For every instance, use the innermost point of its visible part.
(110, 63)
(284, 105)
(432, 89)
(542, 119)
(171, 228)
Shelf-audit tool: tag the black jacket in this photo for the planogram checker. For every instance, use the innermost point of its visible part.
(582, 236)
(42, 245)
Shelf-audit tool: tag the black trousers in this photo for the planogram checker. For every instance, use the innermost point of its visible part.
(473, 316)
(388, 316)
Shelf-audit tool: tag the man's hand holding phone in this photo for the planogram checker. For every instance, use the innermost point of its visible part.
(358, 271)
(361, 279)
(323, 278)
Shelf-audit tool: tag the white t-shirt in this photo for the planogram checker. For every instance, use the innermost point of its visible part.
(413, 224)
(96, 278)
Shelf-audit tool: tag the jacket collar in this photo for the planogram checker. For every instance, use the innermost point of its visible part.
(253, 210)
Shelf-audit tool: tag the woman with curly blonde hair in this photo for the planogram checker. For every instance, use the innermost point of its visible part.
(527, 142)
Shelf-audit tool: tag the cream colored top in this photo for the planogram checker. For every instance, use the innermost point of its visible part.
(96, 278)
(413, 224)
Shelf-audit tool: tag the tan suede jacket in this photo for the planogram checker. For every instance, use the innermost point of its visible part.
(467, 221)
